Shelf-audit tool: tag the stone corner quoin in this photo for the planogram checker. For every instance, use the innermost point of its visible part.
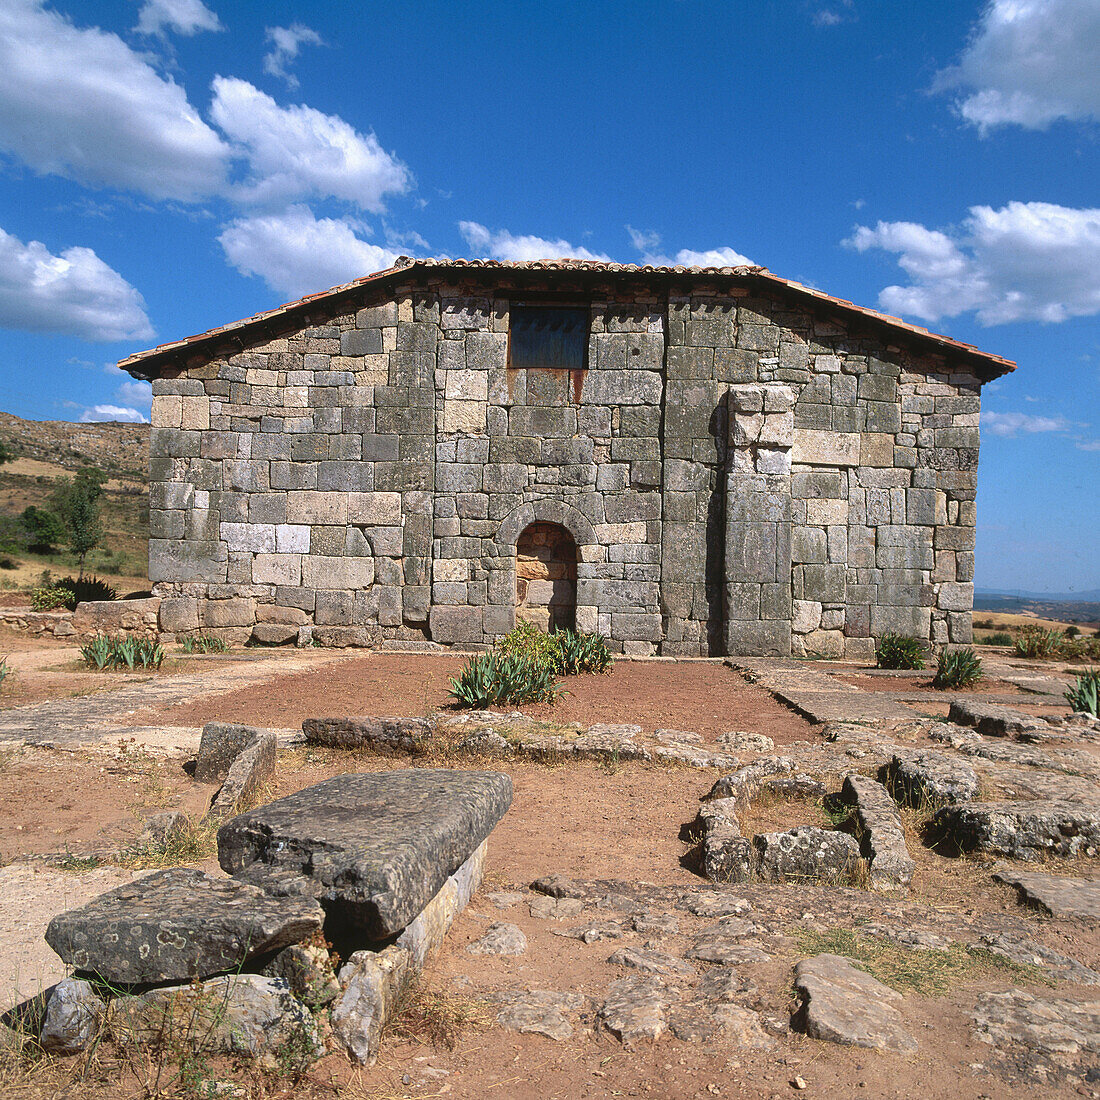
(731, 468)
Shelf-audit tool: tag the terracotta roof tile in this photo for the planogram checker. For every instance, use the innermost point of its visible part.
(145, 363)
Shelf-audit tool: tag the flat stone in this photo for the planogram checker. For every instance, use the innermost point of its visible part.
(652, 962)
(1048, 1038)
(1027, 952)
(994, 720)
(717, 948)
(500, 939)
(1055, 895)
(550, 908)
(698, 1022)
(806, 854)
(539, 1012)
(929, 779)
(650, 923)
(725, 984)
(883, 838)
(505, 899)
(636, 1008)
(178, 924)
(74, 1014)
(1021, 830)
(380, 734)
(841, 1004)
(593, 933)
(750, 742)
(717, 905)
(235, 1014)
(373, 848)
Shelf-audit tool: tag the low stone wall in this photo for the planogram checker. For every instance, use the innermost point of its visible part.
(93, 617)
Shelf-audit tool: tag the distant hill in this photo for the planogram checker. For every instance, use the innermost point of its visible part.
(1082, 607)
(120, 449)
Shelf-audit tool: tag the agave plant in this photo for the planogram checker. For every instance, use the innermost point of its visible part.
(899, 651)
(1084, 695)
(957, 668)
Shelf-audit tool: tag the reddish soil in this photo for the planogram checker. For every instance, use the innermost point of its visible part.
(908, 684)
(703, 696)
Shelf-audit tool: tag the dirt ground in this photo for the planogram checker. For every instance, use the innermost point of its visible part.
(587, 820)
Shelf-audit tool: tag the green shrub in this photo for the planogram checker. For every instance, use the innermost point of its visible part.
(565, 653)
(117, 651)
(530, 643)
(582, 652)
(8, 563)
(1037, 643)
(204, 643)
(900, 651)
(1002, 637)
(957, 668)
(5, 672)
(493, 678)
(1071, 631)
(1084, 696)
(69, 591)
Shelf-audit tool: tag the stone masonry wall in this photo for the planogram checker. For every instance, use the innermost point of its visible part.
(737, 475)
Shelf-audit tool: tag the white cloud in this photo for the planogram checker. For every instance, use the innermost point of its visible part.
(74, 293)
(1012, 423)
(1028, 63)
(1089, 445)
(287, 43)
(298, 152)
(186, 17)
(137, 395)
(503, 245)
(648, 244)
(644, 240)
(99, 413)
(1030, 261)
(78, 102)
(296, 253)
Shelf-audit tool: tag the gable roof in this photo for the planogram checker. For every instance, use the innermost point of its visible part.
(227, 339)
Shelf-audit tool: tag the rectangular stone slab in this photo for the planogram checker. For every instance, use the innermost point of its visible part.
(373, 849)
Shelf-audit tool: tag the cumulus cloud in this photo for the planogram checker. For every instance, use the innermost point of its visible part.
(286, 44)
(99, 413)
(502, 245)
(1028, 261)
(648, 244)
(186, 17)
(74, 293)
(80, 103)
(1028, 63)
(1012, 423)
(296, 253)
(137, 395)
(298, 152)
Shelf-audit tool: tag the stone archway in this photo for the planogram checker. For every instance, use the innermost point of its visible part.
(546, 577)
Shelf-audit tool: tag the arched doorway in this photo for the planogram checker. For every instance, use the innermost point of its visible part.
(546, 577)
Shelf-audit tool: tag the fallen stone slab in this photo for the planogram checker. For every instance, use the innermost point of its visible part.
(743, 784)
(539, 1012)
(650, 961)
(500, 939)
(372, 982)
(701, 1022)
(244, 1014)
(1055, 895)
(841, 1004)
(178, 924)
(929, 779)
(994, 720)
(595, 932)
(1020, 830)
(248, 777)
(806, 854)
(883, 839)
(726, 985)
(1030, 953)
(74, 1014)
(1048, 1039)
(220, 744)
(399, 735)
(373, 848)
(636, 1008)
(729, 950)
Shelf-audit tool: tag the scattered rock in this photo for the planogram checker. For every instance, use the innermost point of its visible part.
(593, 933)
(744, 783)
(399, 735)
(841, 1004)
(372, 984)
(373, 848)
(161, 829)
(177, 924)
(236, 1013)
(540, 1012)
(651, 923)
(652, 962)
(678, 737)
(637, 1008)
(725, 984)
(1055, 895)
(883, 839)
(486, 743)
(248, 775)
(551, 908)
(505, 899)
(806, 854)
(751, 742)
(1028, 952)
(993, 720)
(220, 744)
(929, 779)
(717, 905)
(716, 948)
(73, 1016)
(1021, 830)
(703, 1022)
(501, 939)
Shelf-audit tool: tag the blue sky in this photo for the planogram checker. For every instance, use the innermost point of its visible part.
(171, 165)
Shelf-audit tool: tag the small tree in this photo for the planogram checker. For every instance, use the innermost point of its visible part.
(44, 528)
(6, 453)
(77, 502)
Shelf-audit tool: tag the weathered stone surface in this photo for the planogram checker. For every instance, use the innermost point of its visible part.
(594, 932)
(500, 939)
(1049, 1038)
(715, 947)
(1028, 952)
(841, 1004)
(806, 854)
(373, 983)
(701, 1022)
(994, 720)
(652, 962)
(1021, 830)
(1056, 895)
(374, 848)
(221, 743)
(539, 1012)
(552, 908)
(929, 778)
(248, 777)
(74, 1014)
(636, 1008)
(401, 735)
(178, 924)
(751, 742)
(882, 837)
(307, 970)
(236, 1014)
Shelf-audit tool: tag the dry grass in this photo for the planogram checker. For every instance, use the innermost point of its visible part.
(437, 1017)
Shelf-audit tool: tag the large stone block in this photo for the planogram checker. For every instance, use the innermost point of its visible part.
(304, 507)
(373, 848)
(815, 448)
(342, 573)
(187, 562)
(456, 624)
